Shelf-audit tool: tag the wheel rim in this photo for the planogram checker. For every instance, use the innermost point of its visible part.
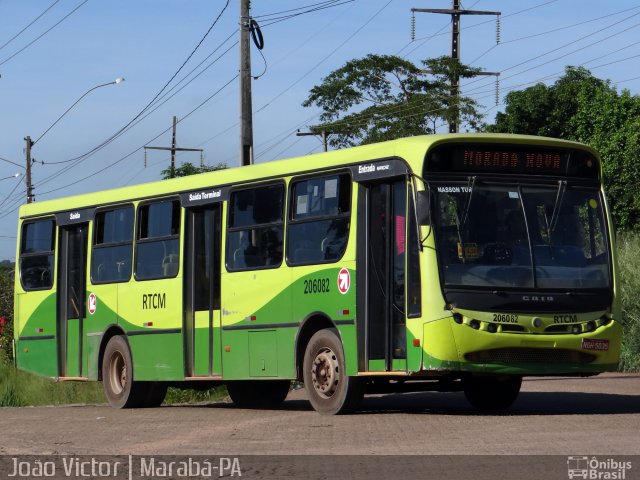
(117, 373)
(325, 372)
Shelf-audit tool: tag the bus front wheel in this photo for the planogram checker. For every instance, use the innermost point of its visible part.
(492, 393)
(329, 389)
(117, 379)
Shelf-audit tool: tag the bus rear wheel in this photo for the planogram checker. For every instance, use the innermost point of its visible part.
(117, 379)
(492, 393)
(329, 389)
(258, 393)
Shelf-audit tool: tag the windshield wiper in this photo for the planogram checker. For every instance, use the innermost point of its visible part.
(551, 226)
(471, 183)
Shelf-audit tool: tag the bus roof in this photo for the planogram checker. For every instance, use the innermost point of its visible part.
(411, 149)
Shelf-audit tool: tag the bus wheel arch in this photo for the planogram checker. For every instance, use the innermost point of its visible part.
(120, 388)
(112, 331)
(312, 324)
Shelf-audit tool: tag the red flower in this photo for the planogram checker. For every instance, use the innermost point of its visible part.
(3, 322)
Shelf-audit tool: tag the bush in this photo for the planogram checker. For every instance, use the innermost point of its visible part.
(6, 312)
(629, 268)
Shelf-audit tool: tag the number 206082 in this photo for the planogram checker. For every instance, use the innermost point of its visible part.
(505, 318)
(317, 285)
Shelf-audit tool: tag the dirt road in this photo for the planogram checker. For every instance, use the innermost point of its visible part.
(558, 416)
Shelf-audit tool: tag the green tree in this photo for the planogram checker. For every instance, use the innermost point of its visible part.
(548, 110)
(610, 122)
(581, 107)
(382, 97)
(188, 168)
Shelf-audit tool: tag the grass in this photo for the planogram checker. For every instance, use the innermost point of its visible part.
(18, 389)
(629, 269)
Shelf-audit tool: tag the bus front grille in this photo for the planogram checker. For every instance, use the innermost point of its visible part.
(529, 355)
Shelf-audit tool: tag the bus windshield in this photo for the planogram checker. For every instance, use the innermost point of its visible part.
(550, 237)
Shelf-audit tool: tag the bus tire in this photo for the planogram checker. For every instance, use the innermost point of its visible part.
(156, 392)
(492, 393)
(117, 376)
(258, 393)
(329, 389)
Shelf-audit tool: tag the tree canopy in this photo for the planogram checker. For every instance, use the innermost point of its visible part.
(188, 168)
(581, 107)
(382, 97)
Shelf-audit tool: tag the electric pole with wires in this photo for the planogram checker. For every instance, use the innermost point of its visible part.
(246, 114)
(173, 148)
(455, 13)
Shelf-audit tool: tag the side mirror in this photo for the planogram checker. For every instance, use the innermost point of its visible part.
(423, 207)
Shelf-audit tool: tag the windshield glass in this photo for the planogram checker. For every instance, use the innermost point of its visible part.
(525, 237)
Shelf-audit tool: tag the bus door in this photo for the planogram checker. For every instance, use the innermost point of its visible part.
(202, 291)
(381, 256)
(72, 281)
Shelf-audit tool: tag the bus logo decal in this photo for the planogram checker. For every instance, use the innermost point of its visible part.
(344, 281)
(93, 302)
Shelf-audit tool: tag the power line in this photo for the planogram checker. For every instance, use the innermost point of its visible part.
(576, 41)
(313, 5)
(141, 112)
(303, 77)
(553, 30)
(31, 23)
(564, 46)
(11, 192)
(147, 142)
(162, 100)
(43, 34)
(326, 57)
(508, 15)
(145, 112)
(289, 54)
(275, 20)
(12, 162)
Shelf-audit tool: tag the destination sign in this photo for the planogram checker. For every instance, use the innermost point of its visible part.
(513, 159)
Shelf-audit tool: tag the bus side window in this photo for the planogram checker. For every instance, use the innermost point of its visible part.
(158, 240)
(256, 228)
(36, 255)
(112, 245)
(319, 219)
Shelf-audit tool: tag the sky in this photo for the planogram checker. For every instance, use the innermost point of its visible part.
(53, 51)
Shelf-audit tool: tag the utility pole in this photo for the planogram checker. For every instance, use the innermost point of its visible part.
(323, 137)
(246, 119)
(173, 148)
(27, 177)
(455, 13)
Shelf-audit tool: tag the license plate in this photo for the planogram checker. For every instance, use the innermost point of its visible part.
(595, 344)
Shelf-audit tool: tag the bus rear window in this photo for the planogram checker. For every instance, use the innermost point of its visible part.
(36, 255)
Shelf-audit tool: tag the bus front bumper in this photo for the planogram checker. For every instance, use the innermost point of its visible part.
(449, 346)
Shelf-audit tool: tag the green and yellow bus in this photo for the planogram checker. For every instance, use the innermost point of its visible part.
(445, 262)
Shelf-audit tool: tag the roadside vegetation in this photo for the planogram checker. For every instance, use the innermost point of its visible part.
(19, 389)
(629, 268)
